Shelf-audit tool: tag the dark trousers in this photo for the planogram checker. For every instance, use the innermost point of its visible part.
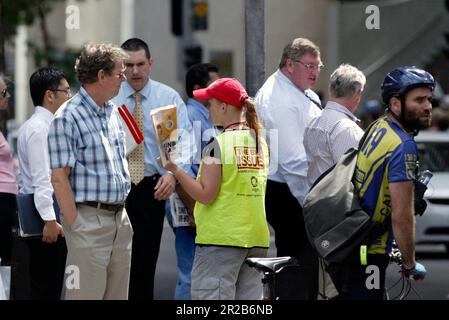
(47, 265)
(284, 214)
(7, 222)
(358, 282)
(147, 218)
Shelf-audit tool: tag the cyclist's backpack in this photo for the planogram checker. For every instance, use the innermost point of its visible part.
(335, 223)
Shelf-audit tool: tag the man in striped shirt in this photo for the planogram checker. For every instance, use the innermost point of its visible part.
(91, 179)
(330, 135)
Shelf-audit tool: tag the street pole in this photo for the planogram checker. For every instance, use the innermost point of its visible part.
(126, 19)
(20, 73)
(185, 39)
(254, 45)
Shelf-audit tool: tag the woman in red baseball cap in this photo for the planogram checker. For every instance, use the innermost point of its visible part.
(229, 192)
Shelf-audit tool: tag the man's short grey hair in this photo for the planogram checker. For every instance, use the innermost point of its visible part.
(346, 81)
(95, 57)
(298, 48)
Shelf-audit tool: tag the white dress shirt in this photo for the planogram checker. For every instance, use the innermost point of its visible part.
(285, 108)
(34, 162)
(328, 137)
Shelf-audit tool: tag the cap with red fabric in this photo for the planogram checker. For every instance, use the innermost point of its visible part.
(227, 90)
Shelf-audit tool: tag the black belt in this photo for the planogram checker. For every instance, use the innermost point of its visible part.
(103, 206)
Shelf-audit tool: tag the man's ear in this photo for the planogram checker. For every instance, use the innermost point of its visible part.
(101, 75)
(223, 107)
(358, 96)
(395, 105)
(48, 96)
(289, 64)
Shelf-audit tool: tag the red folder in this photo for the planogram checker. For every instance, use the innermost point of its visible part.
(134, 136)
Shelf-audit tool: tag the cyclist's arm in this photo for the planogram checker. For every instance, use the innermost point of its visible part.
(403, 220)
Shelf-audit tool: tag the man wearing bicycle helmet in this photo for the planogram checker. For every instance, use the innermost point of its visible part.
(387, 166)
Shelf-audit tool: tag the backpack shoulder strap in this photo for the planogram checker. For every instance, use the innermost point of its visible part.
(365, 134)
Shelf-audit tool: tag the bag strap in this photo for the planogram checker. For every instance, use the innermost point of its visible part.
(377, 228)
(362, 140)
(365, 134)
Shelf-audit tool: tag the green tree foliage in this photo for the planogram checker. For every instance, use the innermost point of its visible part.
(16, 12)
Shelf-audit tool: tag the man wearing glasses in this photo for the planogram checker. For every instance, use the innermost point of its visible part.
(286, 103)
(49, 90)
(91, 179)
(150, 184)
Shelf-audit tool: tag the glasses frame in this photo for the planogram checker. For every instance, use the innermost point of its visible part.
(309, 66)
(68, 91)
(120, 75)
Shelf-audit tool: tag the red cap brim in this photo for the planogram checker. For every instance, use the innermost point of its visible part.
(202, 94)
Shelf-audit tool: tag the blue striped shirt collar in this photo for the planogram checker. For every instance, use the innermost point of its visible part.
(89, 102)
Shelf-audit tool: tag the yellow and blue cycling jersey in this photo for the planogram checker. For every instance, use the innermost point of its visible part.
(389, 154)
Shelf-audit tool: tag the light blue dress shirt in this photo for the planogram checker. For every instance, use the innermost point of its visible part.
(202, 128)
(155, 95)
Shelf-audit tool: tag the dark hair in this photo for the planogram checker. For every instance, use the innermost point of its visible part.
(136, 44)
(198, 74)
(42, 80)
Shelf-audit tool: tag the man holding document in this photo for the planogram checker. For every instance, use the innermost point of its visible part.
(49, 90)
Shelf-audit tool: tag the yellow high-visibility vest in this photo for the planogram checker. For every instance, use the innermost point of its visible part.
(237, 215)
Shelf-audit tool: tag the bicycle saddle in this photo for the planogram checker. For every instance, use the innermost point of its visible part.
(271, 265)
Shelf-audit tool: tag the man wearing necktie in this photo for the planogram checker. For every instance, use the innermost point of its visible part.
(150, 184)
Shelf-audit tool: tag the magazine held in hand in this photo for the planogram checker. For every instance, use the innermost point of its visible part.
(165, 125)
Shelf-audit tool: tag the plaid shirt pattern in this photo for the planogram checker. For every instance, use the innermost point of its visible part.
(91, 141)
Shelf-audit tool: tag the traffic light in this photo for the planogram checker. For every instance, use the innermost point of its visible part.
(200, 10)
(176, 17)
(193, 55)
